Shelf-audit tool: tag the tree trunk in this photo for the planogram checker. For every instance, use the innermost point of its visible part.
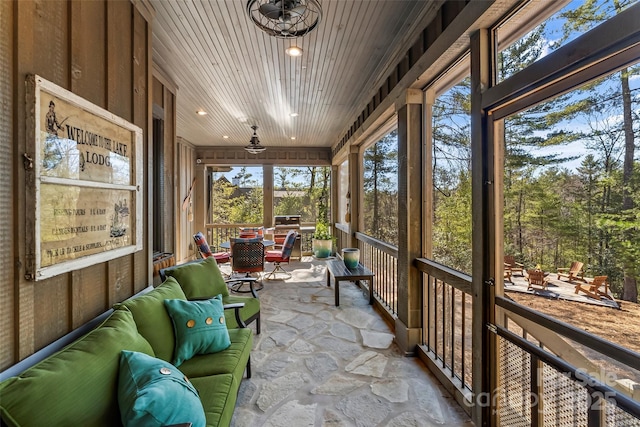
(519, 220)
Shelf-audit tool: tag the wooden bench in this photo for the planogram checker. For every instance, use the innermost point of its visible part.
(340, 272)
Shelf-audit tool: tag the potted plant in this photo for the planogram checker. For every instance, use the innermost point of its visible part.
(322, 243)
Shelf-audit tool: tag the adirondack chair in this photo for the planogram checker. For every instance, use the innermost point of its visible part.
(536, 278)
(594, 288)
(511, 266)
(572, 273)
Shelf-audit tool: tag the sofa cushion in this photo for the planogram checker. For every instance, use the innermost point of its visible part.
(152, 318)
(200, 279)
(152, 392)
(200, 327)
(78, 385)
(231, 361)
(218, 394)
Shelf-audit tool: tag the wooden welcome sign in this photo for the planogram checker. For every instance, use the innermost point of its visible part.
(84, 178)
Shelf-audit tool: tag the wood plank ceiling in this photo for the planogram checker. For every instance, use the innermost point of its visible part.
(225, 65)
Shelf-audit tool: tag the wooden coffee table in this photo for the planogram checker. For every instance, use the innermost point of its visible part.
(340, 272)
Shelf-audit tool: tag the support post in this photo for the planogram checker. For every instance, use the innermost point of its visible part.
(199, 197)
(409, 322)
(268, 195)
(357, 195)
(485, 363)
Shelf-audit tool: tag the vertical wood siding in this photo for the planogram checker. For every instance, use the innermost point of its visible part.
(100, 50)
(7, 200)
(186, 158)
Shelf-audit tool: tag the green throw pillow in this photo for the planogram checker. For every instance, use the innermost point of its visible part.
(200, 279)
(151, 317)
(199, 327)
(152, 392)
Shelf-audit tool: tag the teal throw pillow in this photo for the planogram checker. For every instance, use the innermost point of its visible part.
(152, 392)
(199, 327)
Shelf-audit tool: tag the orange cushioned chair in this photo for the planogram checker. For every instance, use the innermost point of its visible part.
(205, 251)
(278, 257)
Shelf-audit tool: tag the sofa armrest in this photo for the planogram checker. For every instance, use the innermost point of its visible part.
(236, 306)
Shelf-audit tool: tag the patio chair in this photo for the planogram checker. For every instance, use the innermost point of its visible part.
(594, 288)
(204, 250)
(247, 256)
(536, 278)
(277, 257)
(572, 273)
(511, 266)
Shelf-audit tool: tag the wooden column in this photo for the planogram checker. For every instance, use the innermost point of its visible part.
(267, 196)
(199, 197)
(409, 322)
(335, 195)
(357, 194)
(427, 176)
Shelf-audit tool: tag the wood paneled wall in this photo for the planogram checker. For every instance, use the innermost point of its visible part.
(185, 173)
(164, 108)
(101, 51)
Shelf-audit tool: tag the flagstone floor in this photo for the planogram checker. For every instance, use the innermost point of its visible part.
(318, 365)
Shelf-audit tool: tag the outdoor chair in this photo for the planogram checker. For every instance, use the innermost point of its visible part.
(204, 250)
(572, 273)
(536, 278)
(247, 257)
(277, 257)
(594, 288)
(511, 266)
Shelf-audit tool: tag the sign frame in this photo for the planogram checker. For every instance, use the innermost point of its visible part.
(37, 180)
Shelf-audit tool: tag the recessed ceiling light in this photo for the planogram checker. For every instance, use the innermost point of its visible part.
(293, 51)
(201, 113)
(225, 136)
(293, 114)
(293, 137)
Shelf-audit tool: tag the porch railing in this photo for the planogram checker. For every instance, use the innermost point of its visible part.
(379, 257)
(552, 373)
(382, 259)
(447, 322)
(541, 362)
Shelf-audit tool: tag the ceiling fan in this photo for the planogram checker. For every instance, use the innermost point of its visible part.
(282, 9)
(285, 18)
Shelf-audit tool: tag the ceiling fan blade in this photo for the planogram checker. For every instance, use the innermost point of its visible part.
(298, 11)
(271, 10)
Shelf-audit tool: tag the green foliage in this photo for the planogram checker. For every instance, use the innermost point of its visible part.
(381, 189)
(236, 204)
(552, 216)
(302, 191)
(452, 178)
(322, 232)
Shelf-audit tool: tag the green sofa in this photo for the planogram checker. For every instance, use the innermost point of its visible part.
(78, 385)
(202, 279)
